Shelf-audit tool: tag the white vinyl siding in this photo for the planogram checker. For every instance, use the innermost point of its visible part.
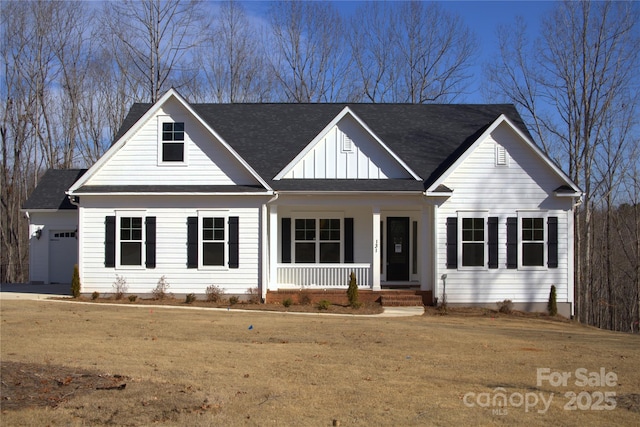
(526, 185)
(137, 162)
(347, 151)
(171, 250)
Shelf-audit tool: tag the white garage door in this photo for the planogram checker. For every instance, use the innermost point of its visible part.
(63, 255)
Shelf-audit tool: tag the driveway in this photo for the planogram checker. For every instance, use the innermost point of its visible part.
(31, 291)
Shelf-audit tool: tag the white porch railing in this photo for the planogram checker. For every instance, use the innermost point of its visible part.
(322, 275)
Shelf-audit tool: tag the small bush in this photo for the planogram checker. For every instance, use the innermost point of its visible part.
(304, 298)
(120, 287)
(161, 290)
(133, 298)
(505, 306)
(95, 295)
(75, 282)
(352, 292)
(324, 304)
(233, 300)
(190, 298)
(552, 306)
(254, 295)
(214, 293)
(287, 302)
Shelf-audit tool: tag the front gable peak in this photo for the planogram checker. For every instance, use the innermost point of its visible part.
(346, 149)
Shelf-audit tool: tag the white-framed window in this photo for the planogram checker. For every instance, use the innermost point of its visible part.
(171, 142)
(213, 237)
(472, 235)
(532, 239)
(317, 240)
(130, 234)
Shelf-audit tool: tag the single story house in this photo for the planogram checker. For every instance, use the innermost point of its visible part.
(441, 198)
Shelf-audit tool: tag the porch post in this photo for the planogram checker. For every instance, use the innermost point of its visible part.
(426, 255)
(375, 261)
(273, 247)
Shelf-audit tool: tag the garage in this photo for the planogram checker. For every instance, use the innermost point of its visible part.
(63, 250)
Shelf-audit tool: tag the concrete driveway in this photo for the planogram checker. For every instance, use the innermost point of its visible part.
(31, 291)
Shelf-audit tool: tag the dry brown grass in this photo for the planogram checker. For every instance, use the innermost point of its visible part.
(198, 368)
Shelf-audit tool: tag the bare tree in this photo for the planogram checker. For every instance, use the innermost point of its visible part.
(153, 42)
(232, 59)
(412, 52)
(578, 84)
(308, 56)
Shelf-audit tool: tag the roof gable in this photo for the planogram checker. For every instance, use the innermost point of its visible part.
(496, 132)
(135, 159)
(346, 149)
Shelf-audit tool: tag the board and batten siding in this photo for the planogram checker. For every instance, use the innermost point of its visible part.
(347, 151)
(523, 184)
(208, 162)
(171, 245)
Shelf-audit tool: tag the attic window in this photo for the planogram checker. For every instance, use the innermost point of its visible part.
(501, 156)
(347, 144)
(172, 142)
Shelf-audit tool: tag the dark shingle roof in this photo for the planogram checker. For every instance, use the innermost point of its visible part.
(428, 138)
(50, 191)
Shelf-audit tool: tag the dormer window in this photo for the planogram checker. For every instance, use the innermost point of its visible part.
(172, 145)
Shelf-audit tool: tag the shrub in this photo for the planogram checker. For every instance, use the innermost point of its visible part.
(120, 287)
(214, 293)
(75, 282)
(133, 298)
(352, 292)
(233, 300)
(190, 298)
(304, 298)
(254, 295)
(324, 304)
(287, 302)
(161, 289)
(552, 306)
(505, 306)
(95, 295)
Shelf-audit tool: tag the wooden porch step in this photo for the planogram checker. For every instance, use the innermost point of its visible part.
(404, 300)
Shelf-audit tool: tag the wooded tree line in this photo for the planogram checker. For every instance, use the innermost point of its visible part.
(72, 70)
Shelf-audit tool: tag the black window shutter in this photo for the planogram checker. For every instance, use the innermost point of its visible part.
(110, 241)
(452, 242)
(348, 240)
(192, 242)
(512, 242)
(150, 241)
(552, 240)
(234, 242)
(492, 226)
(286, 240)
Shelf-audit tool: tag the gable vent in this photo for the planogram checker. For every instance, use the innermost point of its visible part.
(501, 155)
(347, 144)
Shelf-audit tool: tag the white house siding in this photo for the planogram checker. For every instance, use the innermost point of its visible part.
(525, 183)
(39, 254)
(171, 214)
(208, 162)
(328, 159)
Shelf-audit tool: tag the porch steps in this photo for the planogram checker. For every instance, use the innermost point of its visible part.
(401, 300)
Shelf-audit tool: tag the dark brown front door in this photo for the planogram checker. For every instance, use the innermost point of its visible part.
(397, 249)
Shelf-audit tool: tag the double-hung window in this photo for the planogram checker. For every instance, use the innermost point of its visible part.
(305, 240)
(473, 242)
(213, 241)
(171, 148)
(329, 240)
(131, 240)
(533, 242)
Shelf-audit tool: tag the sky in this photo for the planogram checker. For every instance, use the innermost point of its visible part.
(482, 17)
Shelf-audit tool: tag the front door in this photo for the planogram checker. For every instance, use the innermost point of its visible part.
(397, 249)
